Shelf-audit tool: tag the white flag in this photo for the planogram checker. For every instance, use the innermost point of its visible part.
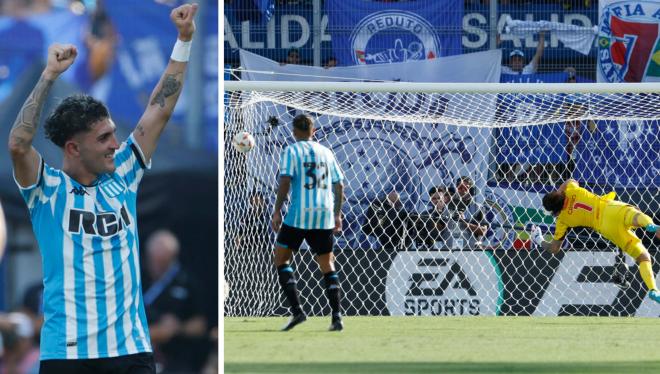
(577, 38)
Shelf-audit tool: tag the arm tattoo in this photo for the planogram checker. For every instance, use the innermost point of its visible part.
(170, 87)
(140, 129)
(25, 126)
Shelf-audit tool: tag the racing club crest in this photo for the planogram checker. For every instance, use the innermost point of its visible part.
(628, 45)
(393, 36)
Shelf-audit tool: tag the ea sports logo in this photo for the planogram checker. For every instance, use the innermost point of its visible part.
(393, 36)
(443, 283)
(628, 48)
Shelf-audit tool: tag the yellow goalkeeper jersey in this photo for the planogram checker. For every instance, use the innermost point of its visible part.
(581, 209)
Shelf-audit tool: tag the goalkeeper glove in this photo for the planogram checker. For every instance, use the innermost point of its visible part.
(536, 236)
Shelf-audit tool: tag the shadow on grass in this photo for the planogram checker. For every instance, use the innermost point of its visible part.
(445, 367)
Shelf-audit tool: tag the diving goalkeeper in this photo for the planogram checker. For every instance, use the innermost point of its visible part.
(575, 206)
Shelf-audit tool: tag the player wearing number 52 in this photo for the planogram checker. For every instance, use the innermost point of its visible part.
(574, 206)
(311, 172)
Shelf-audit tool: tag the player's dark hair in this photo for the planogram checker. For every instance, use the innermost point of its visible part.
(303, 122)
(75, 114)
(554, 202)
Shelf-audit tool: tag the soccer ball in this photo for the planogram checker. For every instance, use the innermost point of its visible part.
(243, 142)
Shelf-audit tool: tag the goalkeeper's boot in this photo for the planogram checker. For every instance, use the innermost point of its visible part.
(622, 277)
(295, 320)
(336, 324)
(654, 295)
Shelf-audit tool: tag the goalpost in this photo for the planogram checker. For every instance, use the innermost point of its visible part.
(514, 141)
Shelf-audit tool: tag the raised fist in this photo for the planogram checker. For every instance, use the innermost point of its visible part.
(60, 57)
(184, 20)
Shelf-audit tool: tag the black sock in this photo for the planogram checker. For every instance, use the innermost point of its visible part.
(288, 284)
(333, 292)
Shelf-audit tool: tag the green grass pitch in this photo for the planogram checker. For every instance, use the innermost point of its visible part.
(444, 345)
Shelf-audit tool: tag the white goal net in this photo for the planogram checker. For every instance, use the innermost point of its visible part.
(443, 183)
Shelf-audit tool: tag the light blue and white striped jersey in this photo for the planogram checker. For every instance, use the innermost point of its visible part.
(88, 238)
(313, 169)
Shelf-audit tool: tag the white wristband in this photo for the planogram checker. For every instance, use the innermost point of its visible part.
(181, 51)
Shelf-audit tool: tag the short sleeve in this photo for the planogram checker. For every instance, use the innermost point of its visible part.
(287, 164)
(335, 171)
(560, 230)
(44, 189)
(130, 163)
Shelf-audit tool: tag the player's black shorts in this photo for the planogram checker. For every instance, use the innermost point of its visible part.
(140, 363)
(320, 241)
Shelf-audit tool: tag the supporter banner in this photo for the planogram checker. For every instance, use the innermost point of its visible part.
(143, 54)
(469, 283)
(291, 27)
(628, 45)
(620, 154)
(474, 67)
(365, 32)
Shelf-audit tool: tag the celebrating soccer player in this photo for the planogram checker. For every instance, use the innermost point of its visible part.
(575, 206)
(306, 168)
(84, 216)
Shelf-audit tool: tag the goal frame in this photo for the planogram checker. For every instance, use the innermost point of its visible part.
(423, 87)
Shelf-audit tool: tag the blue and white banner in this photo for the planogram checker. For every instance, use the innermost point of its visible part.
(143, 54)
(620, 154)
(369, 32)
(291, 26)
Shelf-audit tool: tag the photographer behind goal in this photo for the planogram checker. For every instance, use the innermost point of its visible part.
(467, 226)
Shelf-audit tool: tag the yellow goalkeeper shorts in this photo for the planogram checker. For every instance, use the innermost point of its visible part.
(614, 228)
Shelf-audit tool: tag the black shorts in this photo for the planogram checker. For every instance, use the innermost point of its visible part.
(320, 241)
(140, 363)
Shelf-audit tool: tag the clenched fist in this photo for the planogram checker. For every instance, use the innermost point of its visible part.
(184, 20)
(60, 57)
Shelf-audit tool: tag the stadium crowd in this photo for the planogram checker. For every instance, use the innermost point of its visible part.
(454, 220)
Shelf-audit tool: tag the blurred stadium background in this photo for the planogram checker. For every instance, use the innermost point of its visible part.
(123, 48)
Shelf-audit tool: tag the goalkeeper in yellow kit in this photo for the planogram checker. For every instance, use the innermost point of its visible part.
(574, 206)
